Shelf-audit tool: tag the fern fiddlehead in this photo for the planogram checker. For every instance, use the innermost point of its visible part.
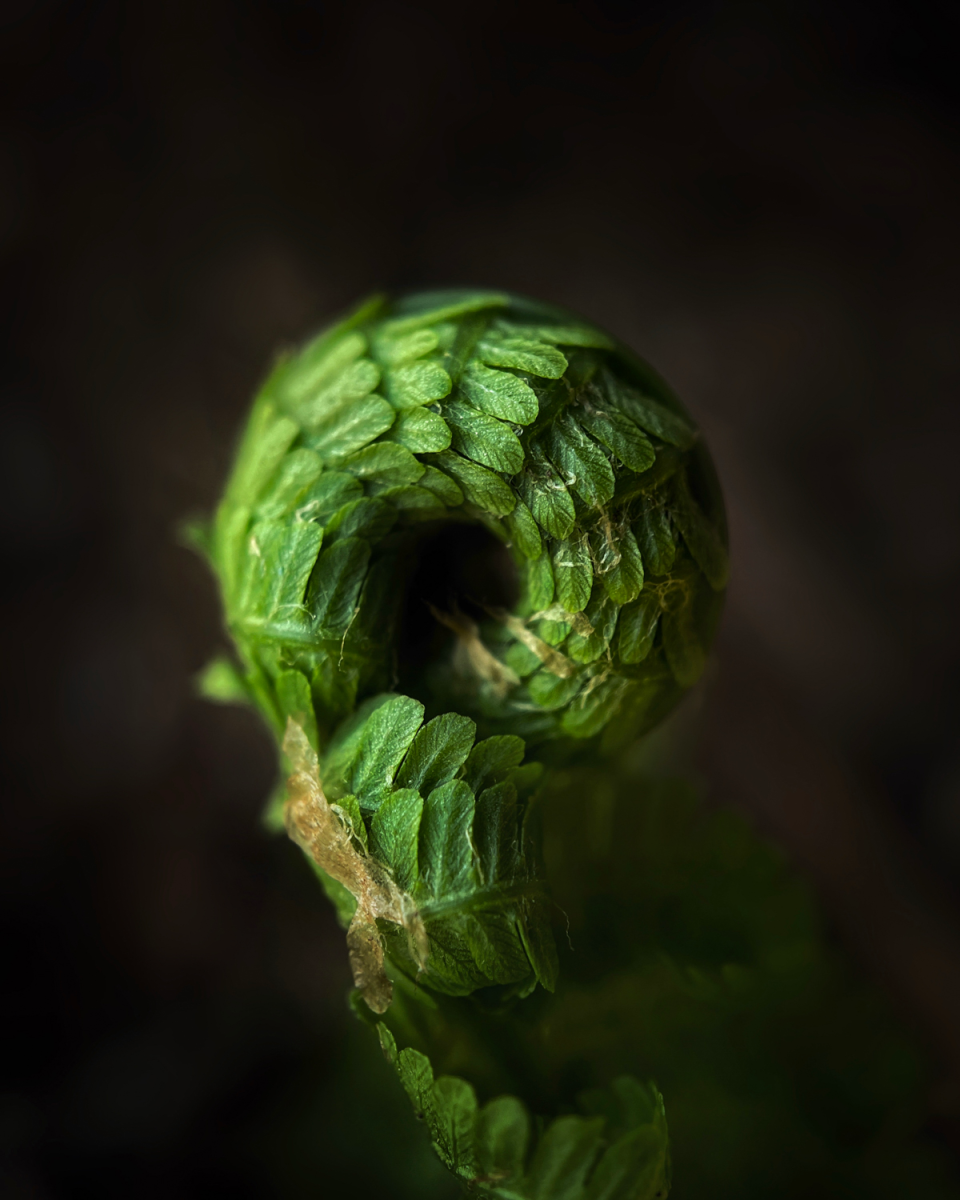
(469, 549)
(416, 786)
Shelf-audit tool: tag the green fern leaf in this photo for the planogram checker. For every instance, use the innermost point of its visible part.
(538, 358)
(573, 573)
(340, 432)
(483, 438)
(415, 384)
(621, 436)
(638, 627)
(545, 494)
(438, 752)
(480, 486)
(650, 414)
(499, 393)
(421, 430)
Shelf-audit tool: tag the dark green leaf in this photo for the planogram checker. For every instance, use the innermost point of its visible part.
(495, 832)
(584, 336)
(593, 707)
(296, 701)
(368, 518)
(502, 1136)
(604, 540)
(681, 642)
(602, 613)
(452, 1123)
(655, 535)
(328, 495)
(492, 758)
(552, 692)
(527, 778)
(416, 1075)
(412, 497)
(396, 351)
(563, 1158)
(299, 469)
(446, 852)
(334, 684)
(388, 1044)
(482, 438)
(495, 945)
(521, 660)
(481, 487)
(635, 1167)
(421, 430)
(386, 464)
(375, 623)
(338, 394)
(639, 1104)
(573, 573)
(638, 627)
(438, 752)
(319, 362)
(498, 349)
(267, 439)
(442, 486)
(623, 579)
(394, 835)
(280, 558)
(545, 494)
(415, 384)
(561, 335)
(524, 533)
(470, 950)
(343, 748)
(229, 545)
(621, 436)
(538, 942)
(500, 394)
(342, 431)
(554, 632)
(539, 583)
(650, 414)
(580, 462)
(431, 309)
(335, 584)
(261, 691)
(702, 538)
(385, 740)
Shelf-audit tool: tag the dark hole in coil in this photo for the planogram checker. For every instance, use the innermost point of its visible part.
(455, 568)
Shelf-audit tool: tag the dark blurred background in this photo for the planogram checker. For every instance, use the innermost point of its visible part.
(764, 199)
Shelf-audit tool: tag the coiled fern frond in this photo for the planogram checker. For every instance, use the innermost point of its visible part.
(470, 545)
(409, 419)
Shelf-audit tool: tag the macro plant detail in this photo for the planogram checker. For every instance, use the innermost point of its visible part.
(471, 550)
(473, 408)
